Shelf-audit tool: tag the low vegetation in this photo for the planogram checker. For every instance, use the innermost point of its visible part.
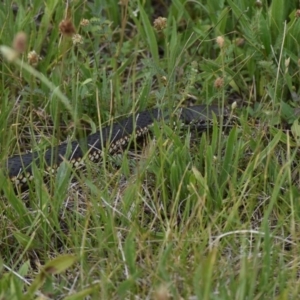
(186, 216)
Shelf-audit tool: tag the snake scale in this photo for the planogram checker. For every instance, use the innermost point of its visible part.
(113, 138)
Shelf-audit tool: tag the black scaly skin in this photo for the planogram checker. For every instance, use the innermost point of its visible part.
(113, 138)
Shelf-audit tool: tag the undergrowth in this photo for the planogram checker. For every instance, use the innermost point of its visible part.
(210, 216)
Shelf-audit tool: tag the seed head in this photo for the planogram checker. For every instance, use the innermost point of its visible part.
(66, 27)
(160, 23)
(220, 41)
(287, 62)
(33, 58)
(84, 22)
(162, 293)
(20, 42)
(77, 39)
(219, 83)
(233, 105)
(240, 42)
(258, 3)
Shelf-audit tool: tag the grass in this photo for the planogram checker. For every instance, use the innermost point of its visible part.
(214, 216)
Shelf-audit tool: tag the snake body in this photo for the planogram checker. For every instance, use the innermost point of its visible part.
(113, 138)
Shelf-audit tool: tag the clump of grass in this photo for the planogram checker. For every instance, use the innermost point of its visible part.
(209, 216)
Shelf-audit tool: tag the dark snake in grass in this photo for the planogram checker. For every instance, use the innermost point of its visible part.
(111, 138)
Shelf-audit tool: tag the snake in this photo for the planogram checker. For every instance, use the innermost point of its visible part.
(111, 138)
